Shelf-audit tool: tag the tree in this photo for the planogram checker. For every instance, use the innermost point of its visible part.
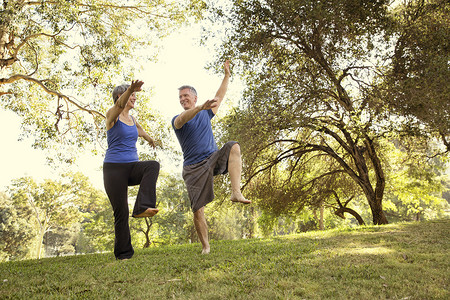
(416, 182)
(416, 84)
(309, 66)
(51, 204)
(59, 61)
(16, 231)
(97, 232)
(169, 225)
(61, 240)
(97, 226)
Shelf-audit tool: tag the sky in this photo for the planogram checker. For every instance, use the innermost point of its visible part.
(181, 61)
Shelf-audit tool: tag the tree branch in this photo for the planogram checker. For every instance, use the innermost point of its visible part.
(139, 9)
(49, 91)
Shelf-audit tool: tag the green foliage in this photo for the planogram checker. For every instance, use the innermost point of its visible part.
(417, 182)
(97, 227)
(396, 261)
(417, 81)
(304, 107)
(313, 123)
(48, 200)
(53, 204)
(169, 225)
(175, 211)
(61, 240)
(17, 231)
(59, 61)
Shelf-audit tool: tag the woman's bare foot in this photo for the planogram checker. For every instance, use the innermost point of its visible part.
(239, 198)
(149, 212)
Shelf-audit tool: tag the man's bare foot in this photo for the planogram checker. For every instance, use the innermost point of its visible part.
(205, 251)
(240, 198)
(150, 212)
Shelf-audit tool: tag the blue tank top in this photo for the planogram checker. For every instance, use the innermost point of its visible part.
(196, 138)
(122, 143)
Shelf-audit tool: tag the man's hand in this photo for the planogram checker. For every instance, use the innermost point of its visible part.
(226, 67)
(209, 104)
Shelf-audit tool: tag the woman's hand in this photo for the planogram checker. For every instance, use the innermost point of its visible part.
(136, 85)
(151, 142)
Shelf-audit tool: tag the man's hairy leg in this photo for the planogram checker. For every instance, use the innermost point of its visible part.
(202, 229)
(235, 170)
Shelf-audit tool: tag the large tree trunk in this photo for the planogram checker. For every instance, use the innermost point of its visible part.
(375, 203)
(378, 216)
(362, 176)
(375, 196)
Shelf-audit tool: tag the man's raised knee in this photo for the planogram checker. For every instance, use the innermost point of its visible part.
(236, 149)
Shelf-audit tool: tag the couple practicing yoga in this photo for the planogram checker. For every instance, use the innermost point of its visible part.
(202, 160)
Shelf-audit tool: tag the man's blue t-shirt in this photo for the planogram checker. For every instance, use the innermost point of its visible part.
(196, 137)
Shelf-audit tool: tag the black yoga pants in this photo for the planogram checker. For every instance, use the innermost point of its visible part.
(116, 178)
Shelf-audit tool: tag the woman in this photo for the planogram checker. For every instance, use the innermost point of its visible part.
(122, 168)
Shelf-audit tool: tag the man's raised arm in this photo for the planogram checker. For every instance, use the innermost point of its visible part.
(220, 94)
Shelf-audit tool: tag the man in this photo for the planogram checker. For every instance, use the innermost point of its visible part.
(202, 158)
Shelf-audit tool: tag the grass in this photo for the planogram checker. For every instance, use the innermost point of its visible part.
(397, 261)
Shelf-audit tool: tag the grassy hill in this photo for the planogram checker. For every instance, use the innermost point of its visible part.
(397, 261)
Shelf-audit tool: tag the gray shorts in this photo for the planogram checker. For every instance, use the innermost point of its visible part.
(199, 177)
